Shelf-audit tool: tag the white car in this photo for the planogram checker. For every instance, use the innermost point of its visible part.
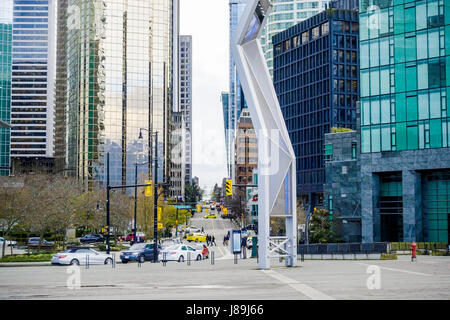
(81, 256)
(8, 242)
(192, 229)
(180, 253)
(165, 243)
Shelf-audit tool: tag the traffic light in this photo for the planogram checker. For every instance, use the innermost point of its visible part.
(149, 189)
(229, 187)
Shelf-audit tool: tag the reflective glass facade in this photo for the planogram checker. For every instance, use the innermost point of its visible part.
(285, 14)
(119, 76)
(236, 95)
(5, 82)
(405, 75)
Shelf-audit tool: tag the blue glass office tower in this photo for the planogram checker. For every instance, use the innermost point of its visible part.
(236, 95)
(5, 83)
(316, 80)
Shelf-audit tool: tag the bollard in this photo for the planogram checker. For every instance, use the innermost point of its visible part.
(188, 258)
(87, 261)
(235, 258)
(212, 257)
(139, 263)
(113, 260)
(164, 259)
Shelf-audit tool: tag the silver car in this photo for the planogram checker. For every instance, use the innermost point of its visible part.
(81, 256)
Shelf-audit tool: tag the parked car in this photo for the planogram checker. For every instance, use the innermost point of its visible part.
(80, 256)
(8, 242)
(165, 243)
(130, 236)
(139, 252)
(34, 242)
(91, 238)
(192, 229)
(210, 216)
(197, 237)
(180, 253)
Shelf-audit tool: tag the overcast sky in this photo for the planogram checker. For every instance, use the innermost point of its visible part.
(207, 21)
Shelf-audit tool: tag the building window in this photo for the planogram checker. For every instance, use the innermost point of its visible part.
(328, 152)
(353, 150)
(325, 28)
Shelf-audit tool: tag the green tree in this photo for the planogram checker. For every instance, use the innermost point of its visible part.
(320, 227)
(193, 193)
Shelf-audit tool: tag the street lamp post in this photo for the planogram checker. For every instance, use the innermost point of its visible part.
(155, 184)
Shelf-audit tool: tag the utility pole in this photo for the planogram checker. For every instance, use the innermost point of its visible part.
(107, 202)
(155, 215)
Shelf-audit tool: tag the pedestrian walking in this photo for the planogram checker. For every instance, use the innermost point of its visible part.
(203, 230)
(207, 240)
(224, 240)
(244, 247)
(227, 238)
(213, 242)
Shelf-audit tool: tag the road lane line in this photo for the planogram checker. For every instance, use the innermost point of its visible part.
(398, 270)
(300, 287)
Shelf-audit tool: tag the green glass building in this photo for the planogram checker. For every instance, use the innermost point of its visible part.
(5, 84)
(405, 124)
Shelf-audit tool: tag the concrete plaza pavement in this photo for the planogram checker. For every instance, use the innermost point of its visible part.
(428, 278)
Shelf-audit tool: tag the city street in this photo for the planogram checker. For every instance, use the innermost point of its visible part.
(428, 278)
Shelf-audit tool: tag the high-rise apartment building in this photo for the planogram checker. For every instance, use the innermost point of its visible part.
(185, 100)
(33, 76)
(6, 21)
(405, 124)
(177, 156)
(119, 71)
(246, 149)
(317, 84)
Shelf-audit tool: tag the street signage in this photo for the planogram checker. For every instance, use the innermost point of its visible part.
(149, 189)
(229, 187)
(159, 214)
(182, 206)
(236, 241)
(160, 226)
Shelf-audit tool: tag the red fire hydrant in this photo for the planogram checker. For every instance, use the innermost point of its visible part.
(413, 251)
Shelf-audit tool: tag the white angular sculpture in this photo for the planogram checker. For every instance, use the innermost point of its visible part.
(276, 159)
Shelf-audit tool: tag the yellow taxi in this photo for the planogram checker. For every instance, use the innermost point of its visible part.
(210, 216)
(197, 237)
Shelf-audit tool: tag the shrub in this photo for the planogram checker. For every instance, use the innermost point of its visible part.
(388, 256)
(35, 257)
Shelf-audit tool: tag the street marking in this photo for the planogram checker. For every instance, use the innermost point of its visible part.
(300, 287)
(398, 270)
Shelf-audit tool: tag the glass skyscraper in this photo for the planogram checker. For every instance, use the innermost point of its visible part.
(405, 124)
(119, 81)
(33, 72)
(285, 14)
(5, 83)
